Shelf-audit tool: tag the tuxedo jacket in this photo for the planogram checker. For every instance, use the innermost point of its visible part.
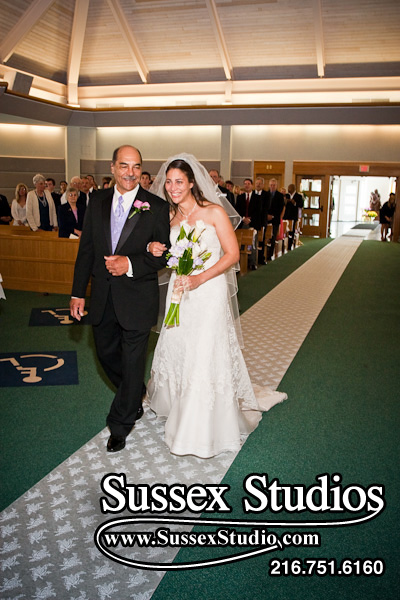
(292, 210)
(264, 200)
(276, 205)
(254, 211)
(66, 219)
(135, 299)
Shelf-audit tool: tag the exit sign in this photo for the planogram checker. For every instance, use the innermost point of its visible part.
(364, 168)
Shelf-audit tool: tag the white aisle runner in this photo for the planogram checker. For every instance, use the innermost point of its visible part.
(46, 536)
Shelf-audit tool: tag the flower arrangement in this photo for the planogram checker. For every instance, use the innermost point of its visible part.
(139, 206)
(369, 215)
(185, 256)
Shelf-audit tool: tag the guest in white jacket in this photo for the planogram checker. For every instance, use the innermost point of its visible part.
(40, 208)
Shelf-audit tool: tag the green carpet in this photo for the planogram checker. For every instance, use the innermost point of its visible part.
(342, 416)
(42, 426)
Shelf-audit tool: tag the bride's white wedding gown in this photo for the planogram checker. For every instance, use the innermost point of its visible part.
(199, 379)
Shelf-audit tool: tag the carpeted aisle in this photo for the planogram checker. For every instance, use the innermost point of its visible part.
(342, 416)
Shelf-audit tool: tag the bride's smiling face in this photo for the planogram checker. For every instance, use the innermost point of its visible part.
(177, 185)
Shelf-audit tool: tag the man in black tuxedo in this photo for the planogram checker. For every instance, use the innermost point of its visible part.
(263, 196)
(248, 205)
(124, 300)
(294, 202)
(276, 208)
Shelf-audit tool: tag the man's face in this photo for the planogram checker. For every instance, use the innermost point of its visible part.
(272, 185)
(291, 188)
(214, 176)
(259, 185)
(248, 187)
(145, 181)
(49, 186)
(85, 185)
(127, 169)
(229, 186)
(76, 183)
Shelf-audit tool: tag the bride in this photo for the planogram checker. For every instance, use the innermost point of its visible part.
(199, 381)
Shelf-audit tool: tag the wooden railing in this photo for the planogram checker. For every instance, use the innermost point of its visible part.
(37, 261)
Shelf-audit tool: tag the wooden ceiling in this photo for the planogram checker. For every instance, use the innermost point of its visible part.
(105, 53)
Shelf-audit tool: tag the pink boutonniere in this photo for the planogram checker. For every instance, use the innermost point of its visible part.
(139, 207)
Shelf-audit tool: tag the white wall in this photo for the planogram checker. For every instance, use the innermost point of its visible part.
(32, 141)
(158, 143)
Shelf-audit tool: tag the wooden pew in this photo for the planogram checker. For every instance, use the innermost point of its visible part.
(37, 261)
(245, 239)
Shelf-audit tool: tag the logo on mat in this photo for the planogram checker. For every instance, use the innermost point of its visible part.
(53, 316)
(52, 368)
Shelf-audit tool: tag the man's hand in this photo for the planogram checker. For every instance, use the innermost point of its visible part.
(76, 308)
(117, 265)
(246, 220)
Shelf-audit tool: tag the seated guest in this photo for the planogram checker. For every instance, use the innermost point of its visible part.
(70, 215)
(40, 209)
(5, 211)
(18, 206)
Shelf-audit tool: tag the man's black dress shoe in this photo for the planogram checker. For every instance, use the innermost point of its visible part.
(115, 443)
(253, 268)
(139, 413)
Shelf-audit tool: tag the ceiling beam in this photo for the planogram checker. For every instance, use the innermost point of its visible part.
(127, 34)
(219, 36)
(75, 49)
(30, 17)
(319, 38)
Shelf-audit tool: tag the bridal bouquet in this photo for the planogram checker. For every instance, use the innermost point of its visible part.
(185, 256)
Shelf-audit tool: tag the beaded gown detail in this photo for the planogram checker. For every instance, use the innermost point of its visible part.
(199, 380)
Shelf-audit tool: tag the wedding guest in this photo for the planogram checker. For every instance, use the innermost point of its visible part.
(375, 201)
(106, 181)
(93, 184)
(294, 203)
(18, 205)
(386, 215)
(63, 187)
(76, 183)
(5, 211)
(86, 191)
(40, 209)
(50, 186)
(276, 209)
(70, 215)
(145, 180)
(216, 177)
(248, 205)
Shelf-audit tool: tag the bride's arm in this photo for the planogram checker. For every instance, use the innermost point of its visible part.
(228, 241)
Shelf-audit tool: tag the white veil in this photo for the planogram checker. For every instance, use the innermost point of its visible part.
(211, 193)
